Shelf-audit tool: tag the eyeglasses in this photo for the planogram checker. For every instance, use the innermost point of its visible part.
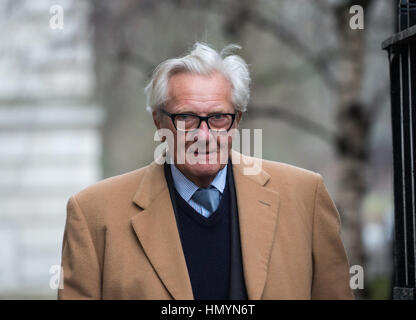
(216, 122)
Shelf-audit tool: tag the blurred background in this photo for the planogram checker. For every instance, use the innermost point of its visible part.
(72, 110)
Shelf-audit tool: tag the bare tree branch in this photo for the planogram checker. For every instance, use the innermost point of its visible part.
(295, 74)
(136, 60)
(295, 120)
(320, 61)
(126, 55)
(324, 6)
(298, 73)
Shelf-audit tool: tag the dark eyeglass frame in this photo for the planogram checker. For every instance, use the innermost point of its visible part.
(201, 118)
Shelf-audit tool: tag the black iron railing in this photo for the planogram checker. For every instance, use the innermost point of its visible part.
(401, 49)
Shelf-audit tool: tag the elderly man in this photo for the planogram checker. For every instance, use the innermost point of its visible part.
(200, 225)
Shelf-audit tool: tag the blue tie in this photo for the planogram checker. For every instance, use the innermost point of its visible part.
(208, 198)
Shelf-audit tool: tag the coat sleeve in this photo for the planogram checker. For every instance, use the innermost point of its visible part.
(81, 272)
(330, 263)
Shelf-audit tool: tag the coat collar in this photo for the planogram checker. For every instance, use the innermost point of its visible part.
(157, 232)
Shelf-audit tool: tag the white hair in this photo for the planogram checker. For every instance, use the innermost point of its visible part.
(202, 60)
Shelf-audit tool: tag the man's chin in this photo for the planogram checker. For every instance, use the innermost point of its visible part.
(202, 166)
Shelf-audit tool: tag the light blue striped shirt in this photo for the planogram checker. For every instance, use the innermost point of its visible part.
(186, 188)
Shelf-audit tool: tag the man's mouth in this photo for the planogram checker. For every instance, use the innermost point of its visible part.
(203, 153)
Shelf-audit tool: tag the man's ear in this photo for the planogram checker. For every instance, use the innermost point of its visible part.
(238, 117)
(156, 119)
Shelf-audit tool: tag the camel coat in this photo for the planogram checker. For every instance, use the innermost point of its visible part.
(121, 240)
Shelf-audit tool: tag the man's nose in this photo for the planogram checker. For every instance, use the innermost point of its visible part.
(203, 132)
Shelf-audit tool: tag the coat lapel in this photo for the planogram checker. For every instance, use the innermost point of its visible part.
(156, 229)
(257, 211)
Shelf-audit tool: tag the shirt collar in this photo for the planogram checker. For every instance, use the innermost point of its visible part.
(186, 188)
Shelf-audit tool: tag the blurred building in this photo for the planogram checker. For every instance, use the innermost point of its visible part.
(50, 145)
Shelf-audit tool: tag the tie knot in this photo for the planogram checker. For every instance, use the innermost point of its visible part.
(209, 198)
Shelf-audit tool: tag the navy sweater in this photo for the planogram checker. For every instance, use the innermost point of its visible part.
(206, 246)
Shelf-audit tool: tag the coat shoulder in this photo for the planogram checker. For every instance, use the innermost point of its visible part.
(289, 171)
(290, 179)
(280, 175)
(124, 185)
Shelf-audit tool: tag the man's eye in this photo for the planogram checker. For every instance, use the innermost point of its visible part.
(183, 117)
(218, 116)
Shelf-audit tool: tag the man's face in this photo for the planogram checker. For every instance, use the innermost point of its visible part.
(203, 96)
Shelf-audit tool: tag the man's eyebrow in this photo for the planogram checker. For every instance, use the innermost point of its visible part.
(217, 112)
(208, 114)
(186, 112)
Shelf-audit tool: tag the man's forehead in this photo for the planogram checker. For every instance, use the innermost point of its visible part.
(197, 97)
(190, 89)
(189, 83)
